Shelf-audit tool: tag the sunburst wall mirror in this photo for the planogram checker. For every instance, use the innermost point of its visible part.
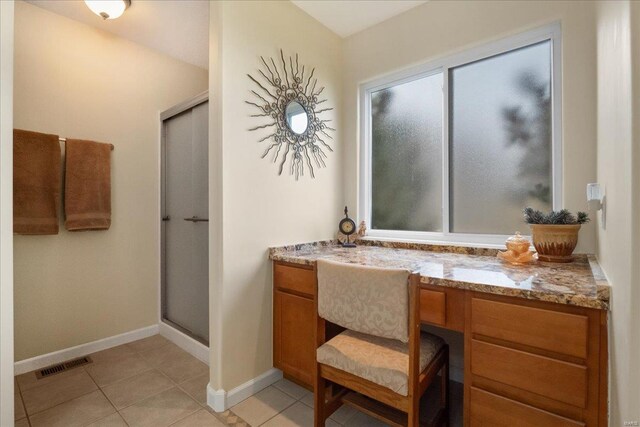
(289, 97)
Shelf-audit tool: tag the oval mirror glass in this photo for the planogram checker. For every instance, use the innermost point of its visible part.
(296, 117)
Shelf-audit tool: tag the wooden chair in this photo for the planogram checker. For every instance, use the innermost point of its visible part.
(349, 366)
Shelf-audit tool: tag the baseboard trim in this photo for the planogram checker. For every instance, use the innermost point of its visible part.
(220, 400)
(251, 387)
(59, 356)
(185, 342)
(216, 399)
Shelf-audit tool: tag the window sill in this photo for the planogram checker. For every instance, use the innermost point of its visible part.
(462, 240)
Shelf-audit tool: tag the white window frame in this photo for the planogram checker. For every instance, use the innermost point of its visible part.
(551, 32)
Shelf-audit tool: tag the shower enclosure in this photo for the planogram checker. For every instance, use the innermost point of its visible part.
(185, 218)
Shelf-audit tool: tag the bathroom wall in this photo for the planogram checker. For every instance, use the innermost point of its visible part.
(442, 28)
(255, 207)
(618, 165)
(76, 81)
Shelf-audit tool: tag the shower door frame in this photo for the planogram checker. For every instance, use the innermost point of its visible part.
(201, 98)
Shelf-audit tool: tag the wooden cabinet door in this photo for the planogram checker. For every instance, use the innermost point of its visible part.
(294, 323)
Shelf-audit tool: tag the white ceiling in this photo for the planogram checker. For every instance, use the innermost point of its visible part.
(178, 28)
(347, 17)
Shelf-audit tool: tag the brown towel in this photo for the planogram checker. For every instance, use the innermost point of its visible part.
(36, 182)
(87, 199)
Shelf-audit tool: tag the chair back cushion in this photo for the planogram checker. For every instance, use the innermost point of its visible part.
(370, 300)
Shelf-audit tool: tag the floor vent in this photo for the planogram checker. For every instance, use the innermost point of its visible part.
(62, 367)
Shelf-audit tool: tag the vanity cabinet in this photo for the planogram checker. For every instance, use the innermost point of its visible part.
(294, 321)
(545, 361)
(527, 362)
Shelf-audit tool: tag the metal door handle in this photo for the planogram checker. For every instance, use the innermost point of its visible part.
(166, 218)
(196, 219)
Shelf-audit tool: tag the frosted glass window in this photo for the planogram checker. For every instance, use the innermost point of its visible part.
(406, 168)
(500, 134)
(493, 123)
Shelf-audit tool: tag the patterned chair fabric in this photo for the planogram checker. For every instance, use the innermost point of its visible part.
(370, 300)
(380, 360)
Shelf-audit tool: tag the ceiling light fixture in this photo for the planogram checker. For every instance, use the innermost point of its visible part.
(108, 9)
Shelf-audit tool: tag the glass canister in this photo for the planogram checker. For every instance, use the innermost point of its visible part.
(518, 244)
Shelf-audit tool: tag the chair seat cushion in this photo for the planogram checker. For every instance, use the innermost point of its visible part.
(383, 361)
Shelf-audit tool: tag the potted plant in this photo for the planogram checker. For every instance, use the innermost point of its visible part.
(555, 235)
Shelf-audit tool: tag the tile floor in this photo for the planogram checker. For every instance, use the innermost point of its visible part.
(286, 404)
(152, 382)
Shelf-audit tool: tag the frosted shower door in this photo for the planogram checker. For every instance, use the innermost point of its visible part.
(185, 291)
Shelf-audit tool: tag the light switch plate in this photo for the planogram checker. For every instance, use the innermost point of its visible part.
(596, 201)
(594, 192)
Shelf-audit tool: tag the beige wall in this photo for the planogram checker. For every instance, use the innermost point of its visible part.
(441, 28)
(618, 163)
(260, 208)
(76, 81)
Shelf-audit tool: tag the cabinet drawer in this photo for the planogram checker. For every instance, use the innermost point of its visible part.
(433, 307)
(558, 380)
(491, 410)
(554, 331)
(295, 279)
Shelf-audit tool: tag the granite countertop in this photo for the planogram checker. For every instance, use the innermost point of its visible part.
(580, 283)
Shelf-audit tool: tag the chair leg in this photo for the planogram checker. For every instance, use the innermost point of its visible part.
(319, 399)
(413, 417)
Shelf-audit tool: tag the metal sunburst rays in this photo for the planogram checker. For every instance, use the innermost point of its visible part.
(286, 83)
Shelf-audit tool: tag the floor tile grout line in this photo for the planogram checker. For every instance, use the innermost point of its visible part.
(148, 349)
(123, 419)
(26, 415)
(24, 407)
(304, 403)
(188, 415)
(329, 418)
(291, 396)
(181, 382)
(108, 415)
(134, 375)
(188, 394)
(112, 405)
(151, 368)
(61, 403)
(107, 397)
(145, 398)
(284, 409)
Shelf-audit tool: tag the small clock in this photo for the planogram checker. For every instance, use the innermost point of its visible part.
(347, 227)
